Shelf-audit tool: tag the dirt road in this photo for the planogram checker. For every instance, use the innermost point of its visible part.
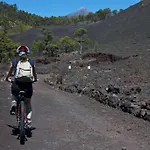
(70, 122)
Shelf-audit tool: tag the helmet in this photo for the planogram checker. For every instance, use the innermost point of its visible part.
(22, 50)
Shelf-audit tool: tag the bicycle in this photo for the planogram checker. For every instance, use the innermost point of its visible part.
(21, 116)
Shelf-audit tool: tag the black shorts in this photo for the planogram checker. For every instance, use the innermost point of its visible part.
(17, 87)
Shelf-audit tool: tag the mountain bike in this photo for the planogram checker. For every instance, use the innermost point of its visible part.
(21, 116)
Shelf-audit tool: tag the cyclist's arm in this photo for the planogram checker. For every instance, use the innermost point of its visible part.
(9, 72)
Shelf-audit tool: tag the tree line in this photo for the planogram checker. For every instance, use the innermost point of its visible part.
(7, 48)
(52, 48)
(48, 47)
(10, 16)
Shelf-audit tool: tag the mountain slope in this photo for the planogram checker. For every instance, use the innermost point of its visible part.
(81, 11)
(125, 34)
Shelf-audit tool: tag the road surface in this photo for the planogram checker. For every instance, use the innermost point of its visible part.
(71, 122)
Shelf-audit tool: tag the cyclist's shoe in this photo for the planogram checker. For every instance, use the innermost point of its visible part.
(13, 110)
(28, 124)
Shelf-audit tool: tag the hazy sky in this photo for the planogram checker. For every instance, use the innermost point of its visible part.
(64, 7)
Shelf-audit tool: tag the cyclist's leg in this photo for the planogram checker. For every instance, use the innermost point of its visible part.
(29, 93)
(14, 92)
(29, 111)
(13, 105)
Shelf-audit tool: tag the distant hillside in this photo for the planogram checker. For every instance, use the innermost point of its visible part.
(126, 33)
(81, 11)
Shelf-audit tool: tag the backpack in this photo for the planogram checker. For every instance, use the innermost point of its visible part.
(23, 71)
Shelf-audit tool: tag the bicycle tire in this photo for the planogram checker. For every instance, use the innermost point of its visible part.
(22, 124)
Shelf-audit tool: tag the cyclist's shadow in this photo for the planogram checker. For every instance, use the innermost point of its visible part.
(15, 131)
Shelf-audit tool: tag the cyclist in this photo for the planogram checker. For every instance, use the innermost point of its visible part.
(24, 76)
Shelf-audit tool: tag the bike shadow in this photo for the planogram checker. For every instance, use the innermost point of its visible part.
(15, 131)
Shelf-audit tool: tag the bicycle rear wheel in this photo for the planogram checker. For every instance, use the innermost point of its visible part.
(22, 124)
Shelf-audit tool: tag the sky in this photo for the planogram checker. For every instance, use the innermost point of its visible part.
(64, 7)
